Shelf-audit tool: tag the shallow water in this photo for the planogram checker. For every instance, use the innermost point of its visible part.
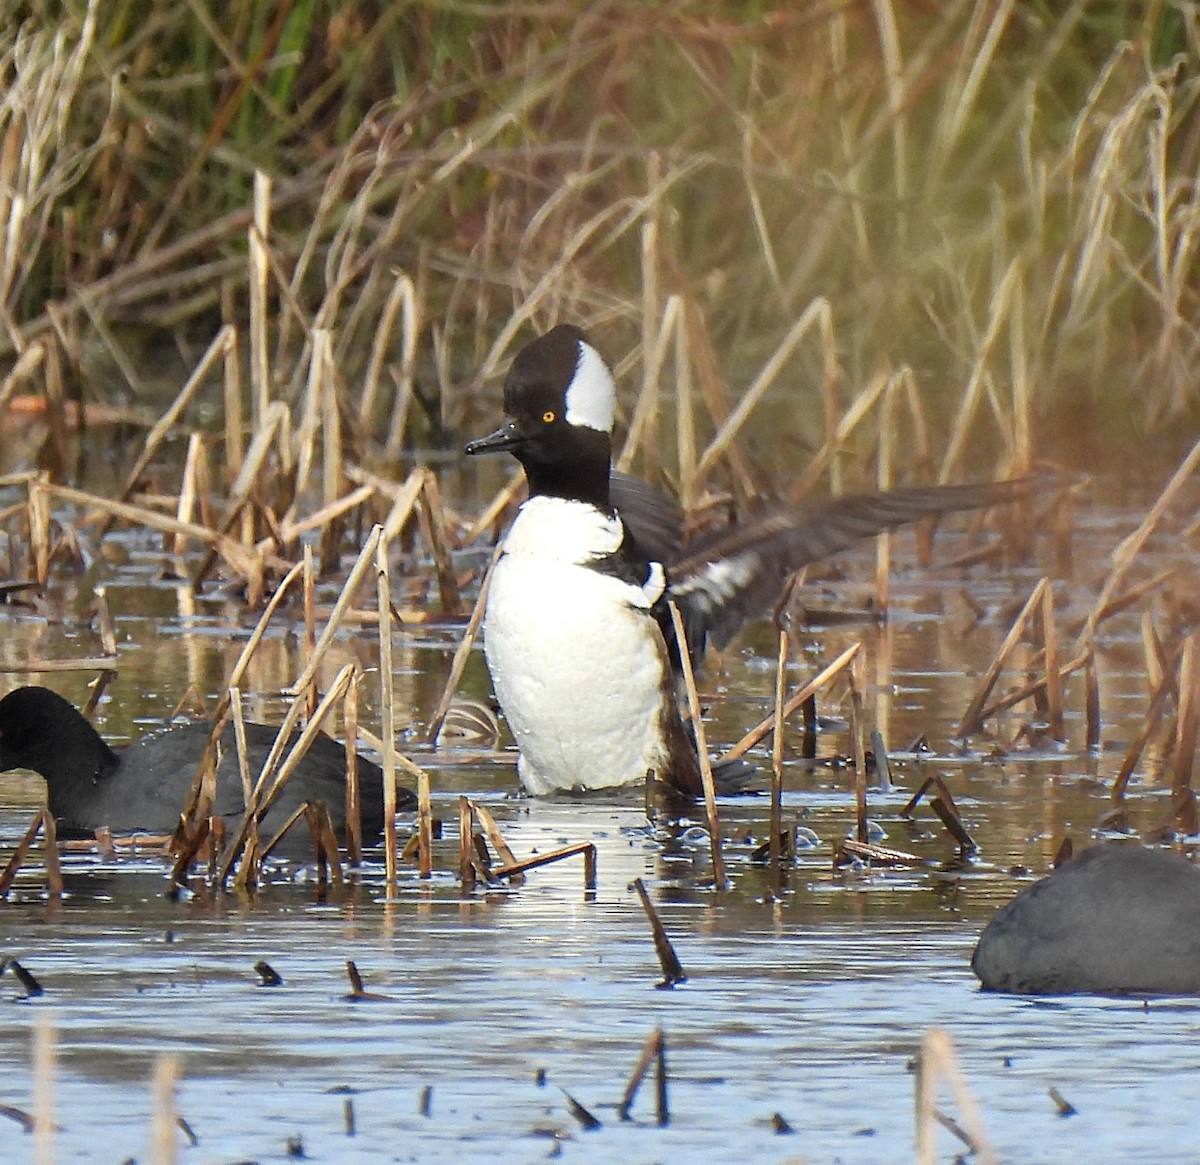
(812, 1007)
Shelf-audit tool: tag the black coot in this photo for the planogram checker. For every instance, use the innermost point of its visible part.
(1117, 919)
(142, 787)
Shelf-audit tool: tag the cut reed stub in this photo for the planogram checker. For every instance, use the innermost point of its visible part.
(672, 969)
(359, 993)
(586, 1120)
(267, 975)
(653, 1052)
(32, 987)
(1061, 1103)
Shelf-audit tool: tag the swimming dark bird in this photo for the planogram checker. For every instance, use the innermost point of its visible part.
(141, 787)
(1117, 919)
(577, 632)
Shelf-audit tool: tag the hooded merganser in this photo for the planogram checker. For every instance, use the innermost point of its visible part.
(577, 632)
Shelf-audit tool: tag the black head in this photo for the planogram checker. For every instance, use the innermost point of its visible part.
(39, 727)
(560, 398)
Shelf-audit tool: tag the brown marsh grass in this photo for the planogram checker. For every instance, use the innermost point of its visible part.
(779, 220)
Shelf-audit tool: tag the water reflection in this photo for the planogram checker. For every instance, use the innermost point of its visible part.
(810, 1006)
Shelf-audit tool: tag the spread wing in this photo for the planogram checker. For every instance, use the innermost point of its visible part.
(736, 573)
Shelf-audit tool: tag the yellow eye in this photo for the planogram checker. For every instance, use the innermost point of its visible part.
(548, 416)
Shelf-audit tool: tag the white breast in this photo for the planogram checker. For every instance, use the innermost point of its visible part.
(576, 658)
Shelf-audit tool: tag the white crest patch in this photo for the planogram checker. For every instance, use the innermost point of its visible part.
(591, 395)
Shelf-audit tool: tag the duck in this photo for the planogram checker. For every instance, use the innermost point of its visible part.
(141, 787)
(1117, 919)
(577, 632)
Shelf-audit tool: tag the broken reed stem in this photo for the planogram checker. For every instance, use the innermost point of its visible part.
(1158, 703)
(936, 1062)
(1182, 795)
(818, 313)
(776, 818)
(971, 719)
(706, 777)
(240, 560)
(424, 826)
(883, 540)
(54, 878)
(463, 652)
(433, 524)
(215, 351)
(1030, 689)
(1092, 702)
(377, 542)
(20, 853)
(266, 789)
(466, 867)
(45, 1047)
(163, 1124)
(1054, 688)
(860, 757)
(484, 817)
(672, 969)
(363, 563)
(239, 736)
(1126, 554)
(653, 1052)
(231, 385)
(586, 848)
(823, 677)
(260, 232)
(353, 798)
(308, 593)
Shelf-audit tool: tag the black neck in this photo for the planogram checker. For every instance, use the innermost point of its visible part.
(579, 474)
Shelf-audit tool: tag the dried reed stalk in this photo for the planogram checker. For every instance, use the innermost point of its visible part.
(1054, 687)
(1125, 555)
(672, 969)
(466, 866)
(19, 854)
(706, 777)
(272, 779)
(484, 817)
(463, 652)
(1158, 703)
(163, 1119)
(776, 818)
(971, 719)
(433, 525)
(54, 878)
(938, 1062)
(1183, 796)
(217, 350)
(1032, 688)
(857, 728)
(653, 1052)
(366, 557)
(586, 848)
(1092, 703)
(241, 560)
(377, 543)
(45, 1055)
(801, 697)
(259, 236)
(817, 314)
(353, 797)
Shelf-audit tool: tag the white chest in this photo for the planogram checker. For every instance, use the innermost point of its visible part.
(576, 658)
